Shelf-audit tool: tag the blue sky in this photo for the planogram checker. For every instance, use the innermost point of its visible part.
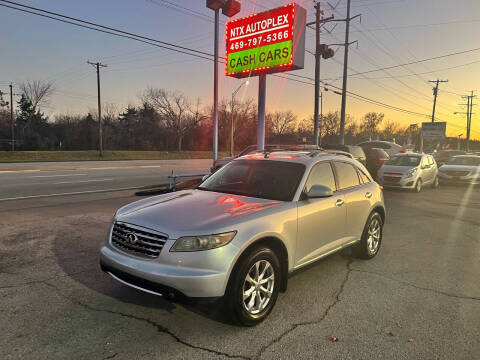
(39, 48)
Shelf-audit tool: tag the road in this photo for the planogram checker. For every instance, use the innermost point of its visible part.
(35, 180)
(418, 299)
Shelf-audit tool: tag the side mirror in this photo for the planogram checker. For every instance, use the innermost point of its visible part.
(319, 191)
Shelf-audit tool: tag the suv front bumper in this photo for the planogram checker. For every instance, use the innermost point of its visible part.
(202, 274)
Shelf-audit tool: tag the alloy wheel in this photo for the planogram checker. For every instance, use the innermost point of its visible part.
(374, 235)
(258, 287)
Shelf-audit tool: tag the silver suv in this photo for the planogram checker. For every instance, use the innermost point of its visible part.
(245, 228)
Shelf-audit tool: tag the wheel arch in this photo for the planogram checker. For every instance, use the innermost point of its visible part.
(381, 211)
(278, 247)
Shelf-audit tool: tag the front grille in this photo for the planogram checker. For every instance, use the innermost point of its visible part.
(137, 240)
(458, 173)
(391, 179)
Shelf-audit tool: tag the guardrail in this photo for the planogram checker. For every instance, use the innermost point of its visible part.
(173, 179)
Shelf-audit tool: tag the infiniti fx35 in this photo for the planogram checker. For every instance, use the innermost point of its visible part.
(245, 228)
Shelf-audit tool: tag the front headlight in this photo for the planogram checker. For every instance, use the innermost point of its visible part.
(202, 242)
(410, 173)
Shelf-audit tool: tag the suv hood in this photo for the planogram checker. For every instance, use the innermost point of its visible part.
(193, 212)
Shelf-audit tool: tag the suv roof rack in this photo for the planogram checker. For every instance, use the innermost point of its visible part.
(330, 152)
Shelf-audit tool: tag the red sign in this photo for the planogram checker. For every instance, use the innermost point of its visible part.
(266, 28)
(266, 42)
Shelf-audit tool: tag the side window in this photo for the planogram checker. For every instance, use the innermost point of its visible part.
(363, 177)
(321, 174)
(347, 175)
(424, 161)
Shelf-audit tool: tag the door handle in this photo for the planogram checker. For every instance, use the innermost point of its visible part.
(368, 195)
(339, 202)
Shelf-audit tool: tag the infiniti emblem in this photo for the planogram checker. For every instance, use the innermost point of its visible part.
(131, 238)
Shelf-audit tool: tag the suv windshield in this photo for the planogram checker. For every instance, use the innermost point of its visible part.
(460, 160)
(404, 160)
(275, 180)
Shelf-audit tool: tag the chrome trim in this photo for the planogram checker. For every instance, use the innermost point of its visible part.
(134, 286)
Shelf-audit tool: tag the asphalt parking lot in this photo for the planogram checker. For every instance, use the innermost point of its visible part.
(418, 299)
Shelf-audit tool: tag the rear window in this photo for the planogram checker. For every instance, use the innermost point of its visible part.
(357, 152)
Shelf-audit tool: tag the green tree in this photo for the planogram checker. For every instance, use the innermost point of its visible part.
(33, 127)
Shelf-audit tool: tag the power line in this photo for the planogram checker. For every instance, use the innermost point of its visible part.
(109, 30)
(423, 73)
(181, 9)
(411, 62)
(193, 52)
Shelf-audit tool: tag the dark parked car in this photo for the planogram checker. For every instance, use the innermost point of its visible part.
(253, 148)
(389, 147)
(356, 151)
(375, 159)
(443, 156)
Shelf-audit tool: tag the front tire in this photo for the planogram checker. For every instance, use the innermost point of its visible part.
(418, 186)
(253, 287)
(371, 240)
(436, 183)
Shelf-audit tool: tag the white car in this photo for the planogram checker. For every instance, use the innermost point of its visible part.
(461, 169)
(409, 171)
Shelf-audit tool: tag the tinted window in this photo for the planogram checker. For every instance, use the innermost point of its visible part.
(347, 175)
(364, 177)
(267, 179)
(321, 174)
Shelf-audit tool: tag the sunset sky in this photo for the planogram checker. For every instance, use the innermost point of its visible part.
(391, 32)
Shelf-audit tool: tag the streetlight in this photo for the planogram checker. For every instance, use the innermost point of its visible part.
(232, 124)
(458, 142)
(229, 8)
(467, 139)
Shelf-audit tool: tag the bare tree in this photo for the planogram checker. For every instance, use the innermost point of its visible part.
(37, 92)
(283, 122)
(175, 111)
(370, 123)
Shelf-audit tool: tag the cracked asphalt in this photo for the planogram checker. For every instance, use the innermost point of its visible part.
(418, 299)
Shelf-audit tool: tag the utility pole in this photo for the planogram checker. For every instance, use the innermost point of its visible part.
(435, 93)
(318, 13)
(97, 65)
(345, 74)
(321, 50)
(12, 124)
(469, 113)
(469, 118)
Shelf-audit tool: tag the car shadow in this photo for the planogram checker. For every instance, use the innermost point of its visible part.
(80, 261)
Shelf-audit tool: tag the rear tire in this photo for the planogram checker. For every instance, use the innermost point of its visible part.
(371, 240)
(253, 287)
